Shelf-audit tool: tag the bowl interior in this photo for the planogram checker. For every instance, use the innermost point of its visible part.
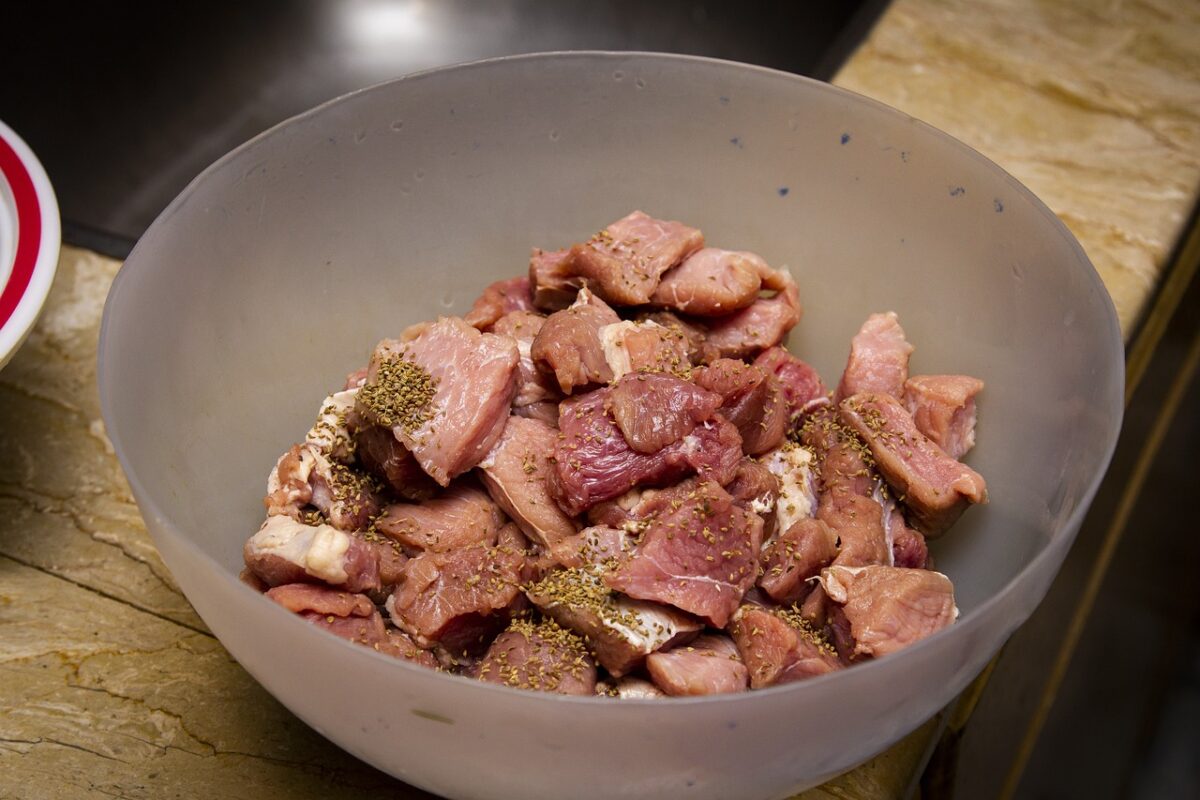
(276, 271)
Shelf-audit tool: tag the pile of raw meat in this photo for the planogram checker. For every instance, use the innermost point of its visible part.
(609, 478)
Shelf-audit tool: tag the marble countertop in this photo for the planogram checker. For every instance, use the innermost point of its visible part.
(111, 686)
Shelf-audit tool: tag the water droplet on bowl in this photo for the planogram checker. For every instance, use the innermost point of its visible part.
(618, 76)
(397, 125)
(419, 174)
(359, 136)
(639, 83)
(1017, 272)
(448, 300)
(554, 136)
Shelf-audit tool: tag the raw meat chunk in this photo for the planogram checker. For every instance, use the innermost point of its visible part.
(710, 664)
(331, 436)
(309, 487)
(751, 399)
(800, 553)
(794, 468)
(943, 408)
(444, 389)
(711, 282)
(381, 455)
(644, 347)
(498, 299)
(762, 324)
(534, 386)
(935, 487)
(878, 358)
(802, 386)
(515, 473)
(656, 410)
(890, 608)
(624, 261)
(780, 646)
(568, 345)
(460, 517)
(287, 551)
(551, 279)
(540, 656)
(699, 552)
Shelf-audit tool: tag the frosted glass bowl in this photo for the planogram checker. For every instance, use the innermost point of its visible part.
(274, 273)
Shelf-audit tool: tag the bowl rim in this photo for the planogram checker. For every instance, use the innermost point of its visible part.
(38, 239)
(969, 621)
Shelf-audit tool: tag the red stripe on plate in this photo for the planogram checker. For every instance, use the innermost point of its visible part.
(29, 230)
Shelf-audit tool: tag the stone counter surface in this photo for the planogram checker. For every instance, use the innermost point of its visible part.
(111, 686)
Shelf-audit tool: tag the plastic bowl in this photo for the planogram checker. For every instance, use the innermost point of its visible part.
(277, 270)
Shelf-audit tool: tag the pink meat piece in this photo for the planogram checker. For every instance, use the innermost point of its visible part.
(711, 282)
(498, 299)
(591, 546)
(285, 550)
(858, 523)
(693, 336)
(801, 384)
(356, 379)
(534, 385)
(656, 410)
(475, 376)
(698, 552)
(568, 345)
(460, 598)
(779, 646)
(909, 549)
(710, 664)
(751, 399)
(878, 359)
(935, 487)
(890, 608)
(298, 597)
(625, 261)
(392, 561)
(515, 474)
(305, 482)
(943, 408)
(381, 455)
(542, 657)
(552, 280)
(645, 346)
(352, 617)
(593, 462)
(800, 553)
(620, 631)
(461, 516)
(762, 324)
(756, 487)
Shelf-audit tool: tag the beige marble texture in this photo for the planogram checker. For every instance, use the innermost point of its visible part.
(111, 686)
(1092, 104)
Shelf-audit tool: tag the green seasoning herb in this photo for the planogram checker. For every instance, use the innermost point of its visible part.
(400, 395)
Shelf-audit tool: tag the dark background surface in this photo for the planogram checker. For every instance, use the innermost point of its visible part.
(125, 103)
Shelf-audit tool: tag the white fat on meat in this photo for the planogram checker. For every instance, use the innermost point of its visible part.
(630, 688)
(879, 495)
(298, 479)
(320, 550)
(329, 435)
(616, 351)
(794, 466)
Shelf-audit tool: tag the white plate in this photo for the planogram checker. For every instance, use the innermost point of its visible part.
(29, 240)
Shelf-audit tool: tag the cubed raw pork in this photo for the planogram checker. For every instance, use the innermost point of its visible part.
(878, 359)
(568, 345)
(629, 687)
(460, 598)
(656, 410)
(382, 455)
(444, 389)
(798, 554)
(762, 324)
(779, 646)
(943, 408)
(461, 516)
(515, 474)
(755, 487)
(593, 462)
(644, 346)
(541, 656)
(534, 386)
(890, 608)
(305, 483)
(625, 261)
(594, 545)
(287, 551)
(352, 617)
(751, 399)
(552, 281)
(794, 467)
(935, 487)
(711, 282)
(699, 552)
(498, 299)
(621, 631)
(543, 411)
(709, 664)
(331, 435)
(693, 335)
(802, 386)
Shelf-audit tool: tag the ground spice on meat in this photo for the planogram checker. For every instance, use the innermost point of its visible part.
(401, 395)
